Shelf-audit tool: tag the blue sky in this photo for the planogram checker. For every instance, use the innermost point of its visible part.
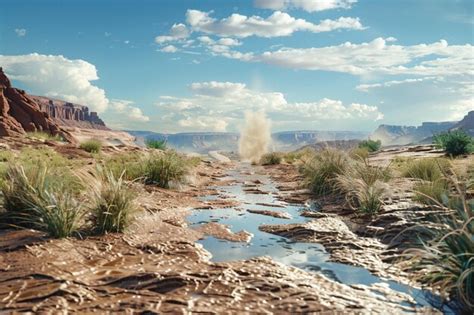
(173, 66)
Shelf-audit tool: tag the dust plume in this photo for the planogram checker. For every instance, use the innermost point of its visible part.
(255, 136)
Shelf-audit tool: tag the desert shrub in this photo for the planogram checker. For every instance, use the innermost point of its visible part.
(41, 135)
(431, 192)
(367, 198)
(155, 144)
(91, 146)
(271, 158)
(129, 166)
(364, 186)
(163, 169)
(455, 143)
(294, 156)
(113, 204)
(321, 169)
(35, 198)
(359, 153)
(427, 169)
(370, 145)
(445, 262)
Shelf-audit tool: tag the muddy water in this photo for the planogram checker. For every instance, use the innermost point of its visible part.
(257, 192)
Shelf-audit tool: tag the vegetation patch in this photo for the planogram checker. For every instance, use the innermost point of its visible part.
(370, 145)
(322, 168)
(364, 186)
(36, 198)
(41, 135)
(166, 168)
(427, 169)
(155, 144)
(272, 158)
(113, 204)
(446, 261)
(91, 146)
(455, 143)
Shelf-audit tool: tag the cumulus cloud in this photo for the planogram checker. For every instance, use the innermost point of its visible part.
(177, 32)
(220, 105)
(307, 5)
(169, 49)
(277, 24)
(367, 87)
(378, 57)
(57, 77)
(20, 32)
(125, 108)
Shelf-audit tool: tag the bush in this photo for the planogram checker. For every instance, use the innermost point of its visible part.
(359, 153)
(91, 146)
(155, 144)
(165, 168)
(370, 145)
(272, 158)
(35, 198)
(455, 143)
(446, 261)
(321, 169)
(113, 203)
(427, 169)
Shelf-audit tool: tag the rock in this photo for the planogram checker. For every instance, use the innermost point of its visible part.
(19, 113)
(69, 114)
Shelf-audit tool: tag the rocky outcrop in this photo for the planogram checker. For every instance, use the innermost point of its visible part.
(402, 135)
(70, 114)
(466, 124)
(19, 113)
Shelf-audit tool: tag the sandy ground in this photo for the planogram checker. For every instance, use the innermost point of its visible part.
(157, 266)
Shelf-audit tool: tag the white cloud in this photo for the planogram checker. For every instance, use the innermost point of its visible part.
(169, 49)
(220, 105)
(277, 24)
(378, 57)
(20, 32)
(58, 77)
(367, 87)
(177, 32)
(125, 107)
(307, 5)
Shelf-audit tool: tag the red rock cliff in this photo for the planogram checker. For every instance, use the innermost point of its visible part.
(19, 113)
(69, 114)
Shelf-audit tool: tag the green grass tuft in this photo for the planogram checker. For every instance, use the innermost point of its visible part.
(445, 262)
(155, 144)
(91, 146)
(321, 169)
(427, 169)
(35, 198)
(41, 135)
(165, 169)
(113, 204)
(272, 158)
(370, 145)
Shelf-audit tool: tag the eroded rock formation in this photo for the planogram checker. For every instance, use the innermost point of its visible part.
(70, 114)
(19, 113)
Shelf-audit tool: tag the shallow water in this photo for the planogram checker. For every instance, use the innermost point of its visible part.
(307, 256)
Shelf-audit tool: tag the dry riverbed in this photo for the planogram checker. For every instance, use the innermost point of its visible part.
(159, 265)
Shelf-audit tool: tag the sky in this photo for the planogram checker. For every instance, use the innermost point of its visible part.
(199, 65)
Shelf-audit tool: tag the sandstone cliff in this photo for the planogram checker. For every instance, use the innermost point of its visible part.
(70, 114)
(19, 113)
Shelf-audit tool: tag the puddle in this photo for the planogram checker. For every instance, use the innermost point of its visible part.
(307, 256)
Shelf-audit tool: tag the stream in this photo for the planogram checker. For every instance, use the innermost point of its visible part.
(307, 256)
